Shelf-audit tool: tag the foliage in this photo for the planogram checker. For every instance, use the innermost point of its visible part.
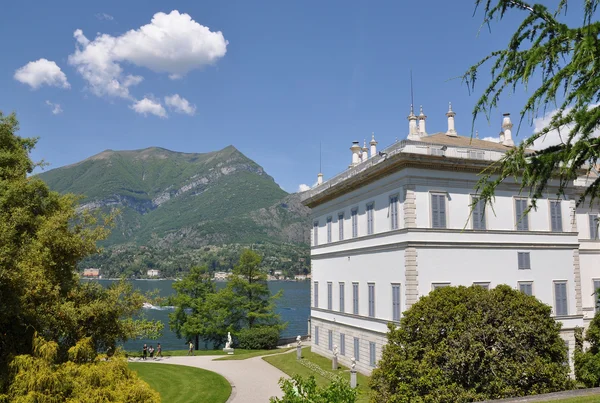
(462, 344)
(300, 390)
(85, 377)
(42, 238)
(566, 60)
(587, 363)
(258, 338)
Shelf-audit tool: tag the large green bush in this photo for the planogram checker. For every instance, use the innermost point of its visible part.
(259, 338)
(462, 344)
(587, 364)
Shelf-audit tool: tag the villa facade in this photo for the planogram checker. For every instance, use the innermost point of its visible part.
(398, 224)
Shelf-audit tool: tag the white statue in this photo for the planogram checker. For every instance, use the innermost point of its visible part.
(299, 340)
(353, 364)
(228, 344)
(335, 351)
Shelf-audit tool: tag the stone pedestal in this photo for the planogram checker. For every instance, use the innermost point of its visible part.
(334, 363)
(298, 352)
(228, 350)
(353, 379)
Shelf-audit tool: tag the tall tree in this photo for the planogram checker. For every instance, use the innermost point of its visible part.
(567, 61)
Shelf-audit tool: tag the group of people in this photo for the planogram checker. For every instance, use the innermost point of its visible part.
(150, 350)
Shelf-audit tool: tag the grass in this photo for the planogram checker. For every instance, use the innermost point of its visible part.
(252, 353)
(288, 364)
(181, 384)
(581, 399)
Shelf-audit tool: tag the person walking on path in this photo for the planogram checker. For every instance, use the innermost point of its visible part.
(144, 352)
(151, 351)
(158, 351)
(191, 350)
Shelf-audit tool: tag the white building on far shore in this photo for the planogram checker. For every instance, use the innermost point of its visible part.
(396, 225)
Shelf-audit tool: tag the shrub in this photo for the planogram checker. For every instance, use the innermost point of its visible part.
(587, 364)
(259, 338)
(301, 390)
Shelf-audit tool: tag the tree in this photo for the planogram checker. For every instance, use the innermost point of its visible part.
(587, 363)
(301, 390)
(191, 318)
(462, 344)
(42, 238)
(566, 60)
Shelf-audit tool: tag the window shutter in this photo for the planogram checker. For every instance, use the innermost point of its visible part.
(442, 208)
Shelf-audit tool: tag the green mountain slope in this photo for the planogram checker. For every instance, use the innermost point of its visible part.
(184, 203)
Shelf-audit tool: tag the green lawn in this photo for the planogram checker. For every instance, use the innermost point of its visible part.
(252, 353)
(181, 384)
(582, 399)
(288, 364)
(240, 354)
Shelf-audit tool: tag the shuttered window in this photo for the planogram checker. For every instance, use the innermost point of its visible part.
(316, 294)
(521, 220)
(354, 215)
(315, 233)
(317, 335)
(342, 344)
(555, 216)
(356, 349)
(438, 211)
(330, 340)
(355, 298)
(329, 296)
(328, 229)
(560, 297)
(371, 300)
(372, 354)
(370, 218)
(396, 302)
(593, 226)
(341, 226)
(342, 297)
(394, 212)
(524, 260)
(526, 287)
(478, 216)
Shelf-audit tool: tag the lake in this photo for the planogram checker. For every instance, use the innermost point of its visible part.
(294, 308)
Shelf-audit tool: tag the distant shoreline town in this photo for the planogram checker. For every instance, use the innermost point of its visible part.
(94, 274)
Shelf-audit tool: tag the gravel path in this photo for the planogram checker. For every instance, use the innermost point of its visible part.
(252, 380)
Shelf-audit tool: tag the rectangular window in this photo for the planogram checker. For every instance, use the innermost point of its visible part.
(396, 302)
(478, 215)
(316, 294)
(330, 340)
(597, 294)
(438, 210)
(328, 229)
(370, 223)
(316, 233)
(560, 297)
(341, 226)
(555, 216)
(524, 260)
(372, 300)
(342, 344)
(593, 218)
(317, 335)
(329, 296)
(435, 286)
(526, 287)
(342, 297)
(482, 285)
(356, 349)
(372, 354)
(354, 216)
(355, 298)
(521, 219)
(394, 212)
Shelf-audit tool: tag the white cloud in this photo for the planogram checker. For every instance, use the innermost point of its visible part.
(42, 72)
(104, 16)
(172, 43)
(180, 105)
(303, 188)
(56, 108)
(554, 137)
(147, 106)
(492, 139)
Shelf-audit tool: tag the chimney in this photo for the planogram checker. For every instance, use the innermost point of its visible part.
(501, 137)
(355, 153)
(365, 154)
(373, 145)
(413, 130)
(507, 128)
(319, 179)
(451, 131)
(422, 118)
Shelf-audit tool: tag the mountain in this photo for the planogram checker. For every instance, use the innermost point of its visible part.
(187, 204)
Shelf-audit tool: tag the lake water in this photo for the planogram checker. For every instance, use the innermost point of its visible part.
(293, 306)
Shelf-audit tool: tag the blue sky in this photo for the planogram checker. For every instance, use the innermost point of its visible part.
(272, 78)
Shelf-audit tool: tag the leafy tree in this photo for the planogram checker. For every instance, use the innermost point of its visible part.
(192, 312)
(461, 344)
(565, 59)
(301, 390)
(42, 238)
(587, 363)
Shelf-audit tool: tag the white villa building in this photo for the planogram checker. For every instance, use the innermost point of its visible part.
(396, 225)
